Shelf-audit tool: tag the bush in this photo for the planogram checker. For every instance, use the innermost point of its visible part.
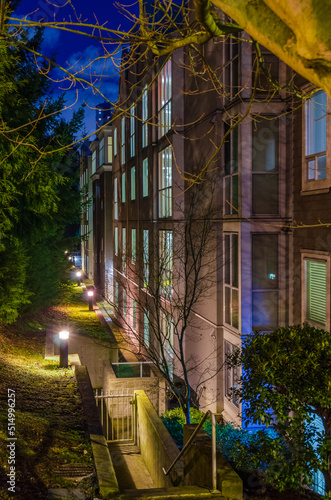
(174, 421)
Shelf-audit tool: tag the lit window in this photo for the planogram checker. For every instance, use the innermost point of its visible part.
(123, 187)
(146, 328)
(132, 133)
(133, 245)
(110, 149)
(116, 240)
(102, 152)
(265, 167)
(231, 285)
(164, 99)
(144, 116)
(94, 162)
(115, 199)
(133, 183)
(315, 112)
(146, 257)
(165, 262)
(124, 249)
(145, 177)
(315, 291)
(231, 170)
(231, 378)
(115, 141)
(265, 281)
(165, 182)
(123, 141)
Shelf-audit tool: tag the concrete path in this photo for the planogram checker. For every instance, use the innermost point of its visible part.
(130, 469)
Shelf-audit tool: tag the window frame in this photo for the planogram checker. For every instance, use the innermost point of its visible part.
(123, 187)
(145, 177)
(115, 142)
(229, 348)
(164, 188)
(133, 183)
(116, 198)
(144, 117)
(123, 140)
(317, 256)
(164, 99)
(230, 285)
(133, 245)
(132, 133)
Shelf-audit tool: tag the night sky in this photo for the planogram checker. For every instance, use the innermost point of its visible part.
(77, 50)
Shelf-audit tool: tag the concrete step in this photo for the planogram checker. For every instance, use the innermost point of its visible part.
(175, 493)
(131, 471)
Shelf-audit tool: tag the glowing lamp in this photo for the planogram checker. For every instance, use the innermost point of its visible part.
(64, 335)
(90, 293)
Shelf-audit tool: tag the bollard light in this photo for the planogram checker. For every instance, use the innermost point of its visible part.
(64, 337)
(78, 275)
(90, 294)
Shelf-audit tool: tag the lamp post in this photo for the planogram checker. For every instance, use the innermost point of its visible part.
(90, 294)
(78, 274)
(64, 336)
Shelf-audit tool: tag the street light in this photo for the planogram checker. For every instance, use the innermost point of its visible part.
(64, 336)
(90, 294)
(78, 274)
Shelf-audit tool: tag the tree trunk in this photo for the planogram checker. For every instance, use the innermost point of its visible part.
(187, 413)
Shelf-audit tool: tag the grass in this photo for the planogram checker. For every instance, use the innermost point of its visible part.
(51, 429)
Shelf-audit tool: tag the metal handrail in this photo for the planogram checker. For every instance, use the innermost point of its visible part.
(213, 448)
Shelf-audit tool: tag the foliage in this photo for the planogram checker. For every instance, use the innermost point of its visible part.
(174, 421)
(285, 384)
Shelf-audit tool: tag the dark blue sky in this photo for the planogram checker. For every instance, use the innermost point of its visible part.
(76, 50)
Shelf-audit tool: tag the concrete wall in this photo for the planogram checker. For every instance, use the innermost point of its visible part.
(198, 466)
(154, 387)
(157, 447)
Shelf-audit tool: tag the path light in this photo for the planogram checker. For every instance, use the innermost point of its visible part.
(79, 275)
(64, 337)
(90, 294)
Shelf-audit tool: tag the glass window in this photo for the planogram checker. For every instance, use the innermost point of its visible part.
(145, 177)
(133, 245)
(133, 183)
(115, 141)
(167, 331)
(132, 133)
(146, 256)
(231, 286)
(124, 302)
(116, 240)
(124, 249)
(231, 170)
(315, 291)
(123, 140)
(232, 375)
(94, 162)
(102, 152)
(165, 262)
(164, 99)
(315, 113)
(231, 69)
(116, 294)
(265, 281)
(110, 149)
(123, 187)
(146, 328)
(165, 182)
(115, 199)
(265, 167)
(144, 116)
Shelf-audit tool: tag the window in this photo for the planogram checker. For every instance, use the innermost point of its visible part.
(315, 291)
(145, 177)
(116, 240)
(124, 249)
(232, 375)
(146, 257)
(315, 114)
(231, 170)
(231, 285)
(165, 263)
(164, 99)
(231, 68)
(94, 162)
(115, 142)
(102, 152)
(144, 117)
(134, 314)
(124, 302)
(146, 328)
(165, 182)
(167, 332)
(265, 167)
(110, 149)
(123, 140)
(115, 199)
(133, 183)
(133, 245)
(116, 294)
(265, 281)
(123, 187)
(132, 133)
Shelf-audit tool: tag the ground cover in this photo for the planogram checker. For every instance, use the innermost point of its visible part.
(50, 426)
